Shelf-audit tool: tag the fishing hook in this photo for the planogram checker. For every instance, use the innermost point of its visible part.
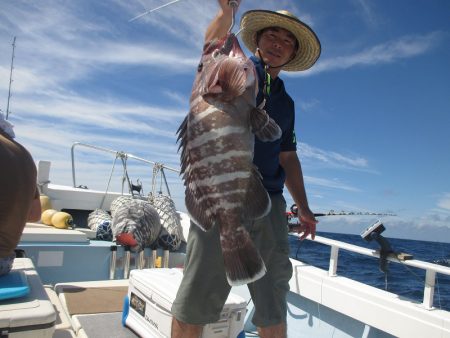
(233, 4)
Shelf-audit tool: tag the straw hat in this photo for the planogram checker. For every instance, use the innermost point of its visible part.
(309, 45)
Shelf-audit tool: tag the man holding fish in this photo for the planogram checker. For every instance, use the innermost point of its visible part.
(238, 151)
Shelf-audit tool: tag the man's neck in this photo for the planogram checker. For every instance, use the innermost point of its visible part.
(273, 72)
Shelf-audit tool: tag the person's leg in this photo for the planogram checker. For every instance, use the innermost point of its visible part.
(274, 331)
(270, 235)
(204, 288)
(184, 330)
(6, 264)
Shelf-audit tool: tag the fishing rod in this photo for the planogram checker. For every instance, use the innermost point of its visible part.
(231, 3)
(152, 10)
(293, 213)
(10, 77)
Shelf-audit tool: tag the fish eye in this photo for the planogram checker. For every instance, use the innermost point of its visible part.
(215, 53)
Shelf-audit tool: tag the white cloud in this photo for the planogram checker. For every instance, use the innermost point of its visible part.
(444, 202)
(333, 159)
(335, 184)
(388, 52)
(367, 11)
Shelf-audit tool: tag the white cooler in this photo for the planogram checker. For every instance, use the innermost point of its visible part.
(29, 316)
(151, 293)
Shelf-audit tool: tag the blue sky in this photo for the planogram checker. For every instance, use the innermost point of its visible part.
(373, 115)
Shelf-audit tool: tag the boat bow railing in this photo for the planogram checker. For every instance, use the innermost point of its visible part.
(430, 268)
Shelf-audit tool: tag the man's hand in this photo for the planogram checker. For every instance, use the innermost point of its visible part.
(224, 4)
(307, 224)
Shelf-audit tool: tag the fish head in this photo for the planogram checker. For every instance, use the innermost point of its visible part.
(224, 71)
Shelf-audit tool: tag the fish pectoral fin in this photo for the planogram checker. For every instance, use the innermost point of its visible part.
(215, 89)
(257, 200)
(232, 79)
(263, 126)
(197, 213)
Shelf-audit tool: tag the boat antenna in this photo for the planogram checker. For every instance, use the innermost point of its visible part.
(152, 10)
(10, 77)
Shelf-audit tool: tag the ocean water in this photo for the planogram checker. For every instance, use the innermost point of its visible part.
(403, 280)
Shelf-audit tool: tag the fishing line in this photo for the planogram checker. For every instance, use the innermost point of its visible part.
(385, 281)
(152, 10)
(298, 249)
(419, 279)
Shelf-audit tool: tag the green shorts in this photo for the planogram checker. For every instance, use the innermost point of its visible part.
(204, 288)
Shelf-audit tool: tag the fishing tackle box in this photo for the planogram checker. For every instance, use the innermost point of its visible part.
(151, 293)
(30, 313)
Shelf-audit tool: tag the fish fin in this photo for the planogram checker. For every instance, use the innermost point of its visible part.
(264, 127)
(182, 131)
(242, 261)
(228, 83)
(257, 201)
(196, 211)
(232, 78)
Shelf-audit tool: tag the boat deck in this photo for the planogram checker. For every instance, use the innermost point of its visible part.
(87, 299)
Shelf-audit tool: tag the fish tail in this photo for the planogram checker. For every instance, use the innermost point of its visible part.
(243, 263)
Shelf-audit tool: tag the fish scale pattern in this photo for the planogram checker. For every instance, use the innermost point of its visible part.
(171, 232)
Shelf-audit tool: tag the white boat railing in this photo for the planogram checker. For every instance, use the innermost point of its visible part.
(157, 167)
(430, 268)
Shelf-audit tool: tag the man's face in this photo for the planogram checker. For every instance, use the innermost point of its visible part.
(277, 46)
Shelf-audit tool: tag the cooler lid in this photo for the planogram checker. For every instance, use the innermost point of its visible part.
(33, 309)
(13, 285)
(159, 284)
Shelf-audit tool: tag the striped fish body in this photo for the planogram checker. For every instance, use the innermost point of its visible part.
(223, 187)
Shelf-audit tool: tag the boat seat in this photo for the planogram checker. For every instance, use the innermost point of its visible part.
(93, 325)
(62, 320)
(37, 232)
(64, 333)
(92, 299)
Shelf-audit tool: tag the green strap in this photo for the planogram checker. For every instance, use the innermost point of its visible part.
(267, 82)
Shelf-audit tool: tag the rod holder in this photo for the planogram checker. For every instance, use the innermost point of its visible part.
(112, 264)
(165, 262)
(141, 260)
(126, 265)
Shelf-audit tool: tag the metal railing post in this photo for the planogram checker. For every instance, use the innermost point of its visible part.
(334, 255)
(428, 291)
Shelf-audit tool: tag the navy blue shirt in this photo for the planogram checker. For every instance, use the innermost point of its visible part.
(280, 107)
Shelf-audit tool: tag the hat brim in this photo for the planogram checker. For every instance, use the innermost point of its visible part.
(309, 45)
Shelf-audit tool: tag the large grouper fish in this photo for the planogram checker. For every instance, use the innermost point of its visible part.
(223, 186)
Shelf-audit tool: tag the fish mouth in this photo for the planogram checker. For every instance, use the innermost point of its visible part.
(232, 48)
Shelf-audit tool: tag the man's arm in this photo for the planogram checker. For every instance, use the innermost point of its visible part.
(221, 23)
(34, 215)
(296, 186)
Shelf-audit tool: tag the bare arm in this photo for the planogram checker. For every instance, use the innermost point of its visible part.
(296, 186)
(221, 23)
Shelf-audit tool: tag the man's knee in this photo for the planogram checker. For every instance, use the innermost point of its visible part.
(185, 330)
